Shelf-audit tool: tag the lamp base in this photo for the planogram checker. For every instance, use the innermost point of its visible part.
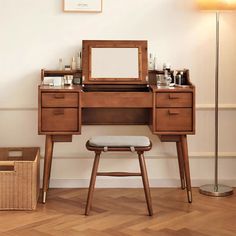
(216, 190)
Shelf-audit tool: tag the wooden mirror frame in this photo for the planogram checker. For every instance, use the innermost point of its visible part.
(86, 61)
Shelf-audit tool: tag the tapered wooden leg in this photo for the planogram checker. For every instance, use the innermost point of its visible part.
(47, 165)
(184, 146)
(145, 183)
(92, 183)
(181, 164)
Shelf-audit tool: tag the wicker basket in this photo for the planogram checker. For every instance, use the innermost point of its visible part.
(19, 178)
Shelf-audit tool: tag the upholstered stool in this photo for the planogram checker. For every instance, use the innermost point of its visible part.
(138, 144)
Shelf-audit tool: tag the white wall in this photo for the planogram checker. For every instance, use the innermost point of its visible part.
(35, 34)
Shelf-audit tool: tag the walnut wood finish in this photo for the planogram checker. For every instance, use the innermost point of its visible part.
(92, 182)
(45, 73)
(60, 100)
(183, 159)
(86, 60)
(174, 119)
(60, 119)
(59, 110)
(62, 138)
(143, 173)
(184, 145)
(115, 116)
(47, 165)
(145, 182)
(181, 164)
(174, 110)
(152, 80)
(170, 114)
(118, 174)
(117, 99)
(174, 99)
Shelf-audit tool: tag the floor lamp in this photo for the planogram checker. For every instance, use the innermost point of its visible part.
(217, 6)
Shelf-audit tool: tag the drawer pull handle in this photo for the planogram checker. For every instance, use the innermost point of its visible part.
(59, 96)
(173, 112)
(58, 112)
(173, 96)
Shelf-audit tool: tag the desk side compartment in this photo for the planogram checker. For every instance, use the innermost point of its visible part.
(174, 111)
(59, 112)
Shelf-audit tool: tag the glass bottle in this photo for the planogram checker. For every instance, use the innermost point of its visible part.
(60, 65)
(151, 62)
(78, 61)
(73, 63)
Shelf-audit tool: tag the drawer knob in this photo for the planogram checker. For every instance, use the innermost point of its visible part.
(59, 96)
(173, 112)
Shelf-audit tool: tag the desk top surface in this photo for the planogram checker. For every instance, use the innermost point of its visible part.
(79, 88)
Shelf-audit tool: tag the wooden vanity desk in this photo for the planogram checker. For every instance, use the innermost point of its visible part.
(129, 100)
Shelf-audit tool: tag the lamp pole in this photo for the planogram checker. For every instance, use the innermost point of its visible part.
(217, 99)
(216, 189)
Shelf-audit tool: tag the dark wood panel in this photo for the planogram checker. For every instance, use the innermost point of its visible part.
(115, 116)
(174, 119)
(117, 99)
(60, 99)
(116, 88)
(62, 138)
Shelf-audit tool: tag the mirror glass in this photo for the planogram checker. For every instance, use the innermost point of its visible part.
(114, 63)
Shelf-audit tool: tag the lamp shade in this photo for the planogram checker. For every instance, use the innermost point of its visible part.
(217, 5)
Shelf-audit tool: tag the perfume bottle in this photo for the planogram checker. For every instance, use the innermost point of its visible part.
(78, 61)
(179, 78)
(183, 82)
(60, 65)
(167, 66)
(155, 63)
(175, 77)
(167, 74)
(151, 62)
(73, 63)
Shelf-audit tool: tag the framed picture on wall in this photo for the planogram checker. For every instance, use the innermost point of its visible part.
(82, 5)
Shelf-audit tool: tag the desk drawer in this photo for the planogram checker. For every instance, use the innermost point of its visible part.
(60, 100)
(174, 99)
(174, 119)
(59, 119)
(117, 99)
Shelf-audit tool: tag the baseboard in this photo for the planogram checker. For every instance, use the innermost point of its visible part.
(131, 183)
(113, 156)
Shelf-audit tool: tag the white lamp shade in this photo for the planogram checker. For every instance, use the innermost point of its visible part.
(217, 5)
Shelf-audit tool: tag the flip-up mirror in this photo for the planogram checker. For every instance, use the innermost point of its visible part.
(110, 62)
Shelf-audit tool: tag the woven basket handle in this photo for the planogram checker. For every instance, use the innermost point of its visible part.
(15, 152)
(7, 166)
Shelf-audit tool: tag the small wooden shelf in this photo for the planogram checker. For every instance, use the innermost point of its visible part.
(60, 72)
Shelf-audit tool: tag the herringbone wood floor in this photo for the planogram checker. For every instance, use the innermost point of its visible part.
(122, 212)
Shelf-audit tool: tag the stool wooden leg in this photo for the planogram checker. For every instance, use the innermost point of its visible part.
(145, 182)
(184, 146)
(181, 164)
(92, 183)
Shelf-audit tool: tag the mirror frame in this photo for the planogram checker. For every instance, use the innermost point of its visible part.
(142, 61)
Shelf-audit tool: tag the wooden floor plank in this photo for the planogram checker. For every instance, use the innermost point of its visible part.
(123, 212)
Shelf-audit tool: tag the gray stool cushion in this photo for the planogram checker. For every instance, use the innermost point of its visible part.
(119, 141)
